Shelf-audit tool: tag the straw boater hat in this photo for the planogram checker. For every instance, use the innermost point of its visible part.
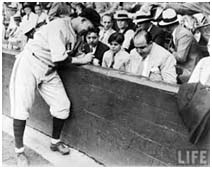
(169, 17)
(121, 15)
(13, 6)
(142, 16)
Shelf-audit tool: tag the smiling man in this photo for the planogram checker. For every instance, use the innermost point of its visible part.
(151, 60)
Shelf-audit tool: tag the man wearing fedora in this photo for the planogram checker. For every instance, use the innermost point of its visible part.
(144, 20)
(123, 23)
(36, 68)
(29, 20)
(185, 47)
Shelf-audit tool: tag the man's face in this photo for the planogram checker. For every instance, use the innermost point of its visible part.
(142, 47)
(27, 10)
(92, 39)
(115, 46)
(107, 22)
(85, 24)
(38, 10)
(12, 12)
(122, 24)
(144, 25)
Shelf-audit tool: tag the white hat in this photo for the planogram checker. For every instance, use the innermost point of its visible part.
(13, 5)
(169, 17)
(121, 15)
(142, 16)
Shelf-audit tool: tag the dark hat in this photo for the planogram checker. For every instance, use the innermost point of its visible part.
(91, 15)
(27, 5)
(17, 18)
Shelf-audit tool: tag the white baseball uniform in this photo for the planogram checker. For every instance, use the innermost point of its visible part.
(31, 66)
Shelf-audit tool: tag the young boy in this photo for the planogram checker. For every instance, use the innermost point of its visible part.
(116, 57)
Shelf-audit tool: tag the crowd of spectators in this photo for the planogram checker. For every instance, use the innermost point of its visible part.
(161, 41)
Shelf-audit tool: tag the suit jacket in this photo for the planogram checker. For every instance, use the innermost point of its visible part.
(187, 51)
(158, 36)
(159, 59)
(100, 50)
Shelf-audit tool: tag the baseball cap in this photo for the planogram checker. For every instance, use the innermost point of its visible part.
(91, 15)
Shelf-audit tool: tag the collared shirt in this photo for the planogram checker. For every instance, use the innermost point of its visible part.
(201, 72)
(138, 65)
(158, 61)
(145, 66)
(120, 59)
(174, 36)
(104, 35)
(49, 43)
(12, 23)
(127, 38)
(43, 17)
(93, 49)
(28, 23)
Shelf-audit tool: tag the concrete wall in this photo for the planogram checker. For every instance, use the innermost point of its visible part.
(118, 119)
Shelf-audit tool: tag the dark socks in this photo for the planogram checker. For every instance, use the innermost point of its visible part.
(57, 127)
(18, 127)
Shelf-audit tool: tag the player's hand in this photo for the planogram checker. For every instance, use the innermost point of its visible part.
(87, 58)
(96, 62)
(83, 59)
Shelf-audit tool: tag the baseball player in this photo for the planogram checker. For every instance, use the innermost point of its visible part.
(34, 69)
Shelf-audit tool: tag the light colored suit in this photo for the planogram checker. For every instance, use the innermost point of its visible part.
(187, 51)
(161, 64)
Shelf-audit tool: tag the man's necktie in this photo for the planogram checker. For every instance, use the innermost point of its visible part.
(103, 35)
(113, 60)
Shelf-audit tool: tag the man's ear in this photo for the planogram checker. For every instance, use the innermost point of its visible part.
(83, 20)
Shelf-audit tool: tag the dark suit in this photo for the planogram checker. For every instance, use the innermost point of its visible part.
(100, 50)
(159, 36)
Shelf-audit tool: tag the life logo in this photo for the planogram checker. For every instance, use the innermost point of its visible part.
(193, 157)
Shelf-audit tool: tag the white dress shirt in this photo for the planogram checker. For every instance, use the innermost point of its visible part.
(201, 72)
(28, 23)
(104, 35)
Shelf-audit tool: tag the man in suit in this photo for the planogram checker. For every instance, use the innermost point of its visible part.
(144, 20)
(151, 60)
(185, 47)
(94, 46)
